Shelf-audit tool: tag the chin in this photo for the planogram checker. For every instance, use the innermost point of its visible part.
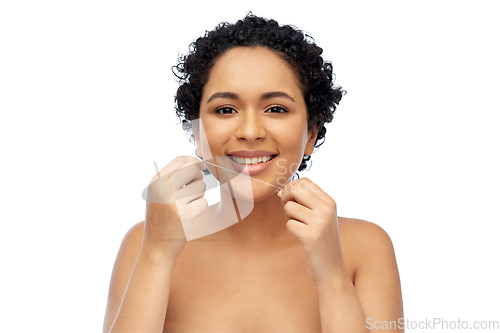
(252, 193)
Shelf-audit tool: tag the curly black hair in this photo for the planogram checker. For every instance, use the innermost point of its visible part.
(291, 44)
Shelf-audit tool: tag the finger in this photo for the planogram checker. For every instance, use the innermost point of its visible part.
(159, 189)
(297, 228)
(297, 211)
(308, 193)
(187, 173)
(191, 192)
(176, 163)
(299, 191)
(192, 212)
(197, 207)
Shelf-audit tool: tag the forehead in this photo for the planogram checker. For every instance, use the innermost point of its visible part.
(251, 69)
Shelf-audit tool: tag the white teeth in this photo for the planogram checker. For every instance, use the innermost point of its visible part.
(253, 160)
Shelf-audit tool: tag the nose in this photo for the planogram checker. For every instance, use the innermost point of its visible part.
(250, 127)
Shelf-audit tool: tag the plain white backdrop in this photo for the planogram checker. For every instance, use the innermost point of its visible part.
(86, 98)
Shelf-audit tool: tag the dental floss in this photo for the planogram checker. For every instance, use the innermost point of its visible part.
(240, 174)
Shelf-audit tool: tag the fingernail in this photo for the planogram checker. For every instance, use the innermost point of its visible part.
(279, 193)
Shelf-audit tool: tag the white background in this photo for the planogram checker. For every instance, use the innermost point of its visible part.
(86, 98)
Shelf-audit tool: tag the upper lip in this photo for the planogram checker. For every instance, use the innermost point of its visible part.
(251, 153)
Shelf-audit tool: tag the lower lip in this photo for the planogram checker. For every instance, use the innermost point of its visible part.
(253, 169)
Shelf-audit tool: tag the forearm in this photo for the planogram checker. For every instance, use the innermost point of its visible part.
(340, 308)
(144, 304)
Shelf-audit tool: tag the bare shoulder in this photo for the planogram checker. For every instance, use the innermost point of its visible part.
(376, 279)
(131, 244)
(135, 233)
(124, 264)
(363, 233)
(364, 243)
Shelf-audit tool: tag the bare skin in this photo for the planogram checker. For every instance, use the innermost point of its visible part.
(216, 288)
(291, 265)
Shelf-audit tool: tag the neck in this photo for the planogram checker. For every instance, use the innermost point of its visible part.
(260, 224)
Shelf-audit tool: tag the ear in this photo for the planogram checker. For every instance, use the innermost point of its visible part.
(196, 132)
(197, 139)
(312, 134)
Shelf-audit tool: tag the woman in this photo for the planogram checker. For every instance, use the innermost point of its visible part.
(258, 95)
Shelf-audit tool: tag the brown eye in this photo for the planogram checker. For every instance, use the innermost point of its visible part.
(225, 110)
(277, 109)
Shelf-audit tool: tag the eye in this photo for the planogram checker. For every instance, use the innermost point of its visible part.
(277, 109)
(225, 110)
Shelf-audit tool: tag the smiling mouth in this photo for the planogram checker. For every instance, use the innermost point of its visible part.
(252, 161)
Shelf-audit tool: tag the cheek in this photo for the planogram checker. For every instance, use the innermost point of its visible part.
(293, 138)
(217, 135)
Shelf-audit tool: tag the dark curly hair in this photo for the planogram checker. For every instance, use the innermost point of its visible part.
(295, 47)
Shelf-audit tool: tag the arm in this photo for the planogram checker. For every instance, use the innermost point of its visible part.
(139, 288)
(374, 302)
(140, 283)
(376, 293)
(339, 307)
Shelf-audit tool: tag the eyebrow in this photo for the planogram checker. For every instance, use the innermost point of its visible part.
(267, 95)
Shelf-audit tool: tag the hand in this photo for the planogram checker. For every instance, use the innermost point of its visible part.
(312, 218)
(175, 200)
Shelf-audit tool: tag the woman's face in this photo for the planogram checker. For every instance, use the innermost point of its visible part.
(252, 102)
